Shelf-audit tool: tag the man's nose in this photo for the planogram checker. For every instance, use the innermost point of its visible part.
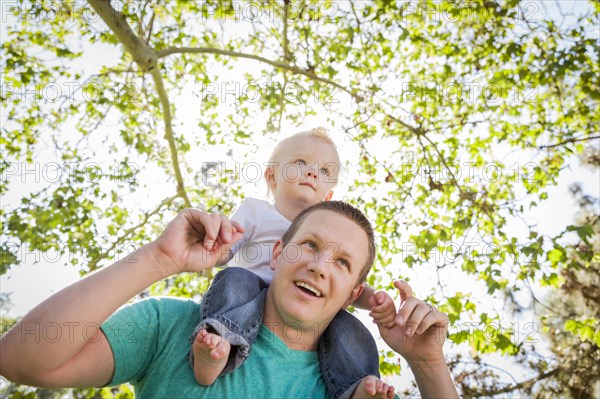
(318, 265)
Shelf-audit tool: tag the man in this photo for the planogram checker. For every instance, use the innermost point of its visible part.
(316, 274)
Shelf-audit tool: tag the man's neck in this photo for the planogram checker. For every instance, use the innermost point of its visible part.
(295, 338)
(293, 334)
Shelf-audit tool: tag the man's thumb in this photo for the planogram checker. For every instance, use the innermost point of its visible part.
(404, 289)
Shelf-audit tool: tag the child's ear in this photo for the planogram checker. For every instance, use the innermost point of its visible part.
(328, 196)
(277, 249)
(270, 176)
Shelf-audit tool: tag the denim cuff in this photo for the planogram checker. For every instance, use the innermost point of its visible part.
(348, 391)
(240, 348)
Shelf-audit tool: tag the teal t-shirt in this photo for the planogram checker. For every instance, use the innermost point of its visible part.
(150, 342)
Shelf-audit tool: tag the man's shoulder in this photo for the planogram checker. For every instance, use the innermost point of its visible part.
(165, 306)
(168, 301)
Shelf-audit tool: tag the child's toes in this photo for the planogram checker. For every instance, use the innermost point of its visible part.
(214, 341)
(371, 386)
(221, 351)
(200, 336)
(379, 387)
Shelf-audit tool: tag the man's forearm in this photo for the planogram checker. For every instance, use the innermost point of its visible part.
(57, 329)
(434, 380)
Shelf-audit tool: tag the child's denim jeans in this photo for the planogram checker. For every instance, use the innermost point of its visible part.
(233, 308)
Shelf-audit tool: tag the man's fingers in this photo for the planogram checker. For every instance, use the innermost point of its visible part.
(434, 319)
(405, 310)
(405, 290)
(416, 317)
(413, 322)
(202, 224)
(225, 229)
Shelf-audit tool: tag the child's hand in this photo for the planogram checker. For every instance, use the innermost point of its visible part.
(383, 310)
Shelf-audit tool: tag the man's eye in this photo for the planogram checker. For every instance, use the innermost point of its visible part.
(301, 162)
(310, 244)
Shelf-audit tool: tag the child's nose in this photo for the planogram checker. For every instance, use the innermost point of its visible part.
(310, 172)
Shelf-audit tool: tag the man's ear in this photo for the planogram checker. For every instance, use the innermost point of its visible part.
(277, 249)
(354, 295)
(328, 196)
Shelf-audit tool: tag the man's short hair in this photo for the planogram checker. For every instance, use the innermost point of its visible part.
(343, 209)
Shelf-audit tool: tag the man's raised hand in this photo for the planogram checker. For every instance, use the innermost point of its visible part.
(419, 331)
(195, 240)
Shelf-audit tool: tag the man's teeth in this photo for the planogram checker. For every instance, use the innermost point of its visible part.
(309, 287)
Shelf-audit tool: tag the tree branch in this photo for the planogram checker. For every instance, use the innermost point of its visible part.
(146, 58)
(164, 101)
(527, 384)
(286, 51)
(142, 53)
(569, 141)
(277, 64)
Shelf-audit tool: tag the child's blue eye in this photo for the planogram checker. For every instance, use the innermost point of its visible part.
(301, 162)
(325, 171)
(344, 263)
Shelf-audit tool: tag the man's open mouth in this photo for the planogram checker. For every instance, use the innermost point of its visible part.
(309, 289)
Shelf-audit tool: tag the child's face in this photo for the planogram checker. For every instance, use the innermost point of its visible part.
(306, 172)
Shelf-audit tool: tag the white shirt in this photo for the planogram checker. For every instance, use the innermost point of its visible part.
(263, 226)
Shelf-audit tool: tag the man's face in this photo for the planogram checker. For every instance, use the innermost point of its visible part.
(315, 275)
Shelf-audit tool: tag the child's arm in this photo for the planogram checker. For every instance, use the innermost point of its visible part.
(363, 300)
(383, 310)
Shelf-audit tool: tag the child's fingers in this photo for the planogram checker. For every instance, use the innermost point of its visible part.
(373, 302)
(379, 297)
(237, 231)
(383, 301)
(237, 228)
(387, 321)
(384, 308)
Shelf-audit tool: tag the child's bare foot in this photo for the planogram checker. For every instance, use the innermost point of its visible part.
(373, 387)
(210, 356)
